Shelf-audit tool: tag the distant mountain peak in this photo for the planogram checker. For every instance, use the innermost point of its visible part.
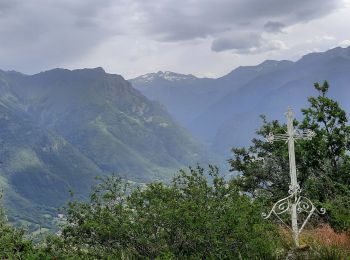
(98, 70)
(241, 72)
(269, 63)
(164, 75)
(331, 53)
(272, 64)
(77, 74)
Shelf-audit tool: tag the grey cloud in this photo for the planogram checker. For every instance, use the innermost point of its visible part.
(40, 34)
(274, 27)
(171, 20)
(246, 43)
(239, 42)
(6, 6)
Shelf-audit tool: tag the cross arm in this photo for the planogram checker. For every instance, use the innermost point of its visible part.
(277, 137)
(305, 135)
(301, 135)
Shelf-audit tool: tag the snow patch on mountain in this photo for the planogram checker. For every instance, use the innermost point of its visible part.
(166, 75)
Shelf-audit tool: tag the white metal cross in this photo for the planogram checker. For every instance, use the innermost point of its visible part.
(294, 203)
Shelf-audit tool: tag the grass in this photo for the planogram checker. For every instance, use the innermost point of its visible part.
(320, 243)
(325, 237)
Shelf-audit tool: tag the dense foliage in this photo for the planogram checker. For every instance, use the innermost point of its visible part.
(323, 163)
(13, 245)
(188, 219)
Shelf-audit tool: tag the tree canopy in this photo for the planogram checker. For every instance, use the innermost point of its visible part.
(323, 163)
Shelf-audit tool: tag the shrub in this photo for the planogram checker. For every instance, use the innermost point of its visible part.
(190, 218)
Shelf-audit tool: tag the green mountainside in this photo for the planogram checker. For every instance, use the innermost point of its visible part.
(61, 128)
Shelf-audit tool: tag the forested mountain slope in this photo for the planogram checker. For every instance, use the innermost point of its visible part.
(61, 128)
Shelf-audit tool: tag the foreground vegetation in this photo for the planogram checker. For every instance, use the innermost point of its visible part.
(191, 218)
(202, 215)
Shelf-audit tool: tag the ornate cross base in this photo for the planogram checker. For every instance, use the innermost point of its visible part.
(294, 205)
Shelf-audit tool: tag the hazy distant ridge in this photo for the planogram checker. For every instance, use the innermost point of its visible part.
(225, 112)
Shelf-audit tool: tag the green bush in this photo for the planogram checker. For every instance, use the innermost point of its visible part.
(13, 245)
(190, 218)
(339, 213)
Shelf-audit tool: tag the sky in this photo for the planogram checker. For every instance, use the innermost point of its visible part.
(206, 38)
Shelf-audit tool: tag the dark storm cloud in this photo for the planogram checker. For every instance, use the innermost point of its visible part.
(188, 19)
(228, 21)
(40, 34)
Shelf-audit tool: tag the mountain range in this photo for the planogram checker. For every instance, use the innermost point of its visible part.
(224, 112)
(60, 129)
